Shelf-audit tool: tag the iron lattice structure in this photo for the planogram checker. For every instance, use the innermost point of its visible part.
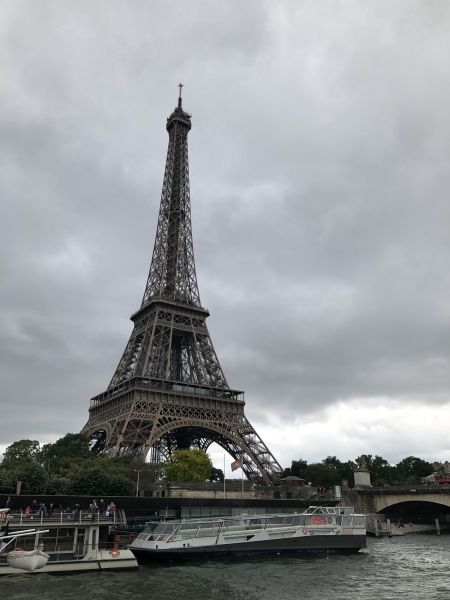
(169, 391)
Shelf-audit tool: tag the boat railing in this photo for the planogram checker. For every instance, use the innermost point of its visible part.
(212, 529)
(184, 530)
(67, 518)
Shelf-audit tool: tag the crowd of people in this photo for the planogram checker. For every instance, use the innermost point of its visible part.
(41, 510)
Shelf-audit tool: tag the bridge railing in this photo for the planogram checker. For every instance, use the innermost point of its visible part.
(407, 489)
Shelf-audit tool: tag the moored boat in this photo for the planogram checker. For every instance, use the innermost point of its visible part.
(69, 543)
(318, 529)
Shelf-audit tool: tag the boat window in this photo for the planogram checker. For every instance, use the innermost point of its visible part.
(165, 528)
(206, 529)
(275, 521)
(150, 526)
(254, 522)
(188, 527)
(231, 523)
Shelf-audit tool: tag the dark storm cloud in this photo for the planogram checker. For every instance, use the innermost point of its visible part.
(319, 182)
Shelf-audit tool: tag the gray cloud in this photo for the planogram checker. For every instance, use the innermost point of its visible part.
(319, 182)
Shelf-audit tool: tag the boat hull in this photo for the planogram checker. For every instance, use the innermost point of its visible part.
(342, 544)
(103, 562)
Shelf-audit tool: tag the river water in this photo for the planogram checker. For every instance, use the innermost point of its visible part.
(403, 568)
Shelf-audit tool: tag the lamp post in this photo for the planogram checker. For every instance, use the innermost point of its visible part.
(138, 471)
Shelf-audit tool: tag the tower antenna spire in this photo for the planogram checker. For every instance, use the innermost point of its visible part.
(180, 85)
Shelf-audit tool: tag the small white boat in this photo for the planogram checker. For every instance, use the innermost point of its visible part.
(27, 560)
(318, 529)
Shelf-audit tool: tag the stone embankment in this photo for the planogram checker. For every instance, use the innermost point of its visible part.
(379, 525)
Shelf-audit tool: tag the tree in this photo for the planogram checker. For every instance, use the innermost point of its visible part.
(188, 465)
(347, 470)
(412, 469)
(22, 451)
(58, 485)
(20, 463)
(297, 469)
(32, 476)
(216, 475)
(7, 480)
(381, 472)
(94, 480)
(320, 474)
(75, 445)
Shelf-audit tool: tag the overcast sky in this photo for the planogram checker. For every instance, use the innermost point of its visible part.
(319, 166)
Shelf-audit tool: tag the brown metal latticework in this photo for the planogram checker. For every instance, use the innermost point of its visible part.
(169, 391)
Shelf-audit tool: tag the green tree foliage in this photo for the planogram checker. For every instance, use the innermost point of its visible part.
(67, 466)
(216, 475)
(412, 469)
(58, 485)
(57, 458)
(297, 469)
(21, 452)
(331, 471)
(60, 458)
(101, 476)
(319, 474)
(33, 478)
(20, 463)
(188, 465)
(381, 472)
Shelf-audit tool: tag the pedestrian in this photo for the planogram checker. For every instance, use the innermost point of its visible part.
(77, 514)
(8, 502)
(112, 509)
(6, 525)
(101, 506)
(93, 509)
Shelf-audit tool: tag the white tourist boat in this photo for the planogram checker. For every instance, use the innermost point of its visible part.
(318, 529)
(64, 546)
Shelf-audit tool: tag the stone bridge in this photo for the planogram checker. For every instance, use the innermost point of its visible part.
(378, 499)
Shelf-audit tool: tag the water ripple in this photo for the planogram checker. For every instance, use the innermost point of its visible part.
(414, 567)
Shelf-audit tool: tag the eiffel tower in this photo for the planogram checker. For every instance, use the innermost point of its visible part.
(169, 391)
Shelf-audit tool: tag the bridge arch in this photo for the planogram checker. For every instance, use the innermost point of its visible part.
(383, 502)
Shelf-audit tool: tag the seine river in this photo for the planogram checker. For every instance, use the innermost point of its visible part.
(410, 568)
